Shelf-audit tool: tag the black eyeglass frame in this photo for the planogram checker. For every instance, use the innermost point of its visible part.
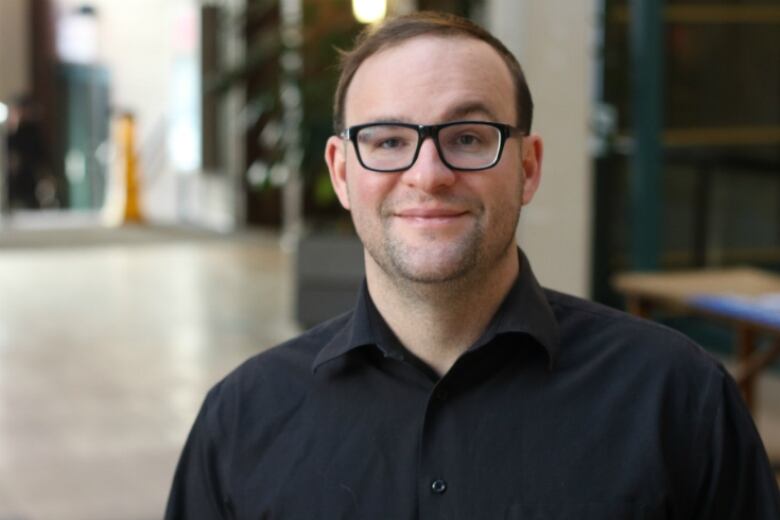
(432, 131)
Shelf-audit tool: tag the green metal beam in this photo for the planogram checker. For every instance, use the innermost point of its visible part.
(646, 40)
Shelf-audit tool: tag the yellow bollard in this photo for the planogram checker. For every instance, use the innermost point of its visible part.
(132, 213)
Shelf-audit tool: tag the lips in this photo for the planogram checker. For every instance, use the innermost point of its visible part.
(430, 213)
(431, 218)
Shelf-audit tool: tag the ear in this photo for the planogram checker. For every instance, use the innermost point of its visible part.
(533, 149)
(335, 157)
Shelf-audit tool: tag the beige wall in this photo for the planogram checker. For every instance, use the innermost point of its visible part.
(554, 40)
(137, 46)
(14, 48)
(135, 43)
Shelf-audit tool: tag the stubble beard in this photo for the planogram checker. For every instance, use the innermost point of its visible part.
(434, 262)
(438, 262)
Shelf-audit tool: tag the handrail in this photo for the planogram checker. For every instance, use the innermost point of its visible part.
(153, 153)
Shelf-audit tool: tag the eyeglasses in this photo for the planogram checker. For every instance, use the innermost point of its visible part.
(462, 145)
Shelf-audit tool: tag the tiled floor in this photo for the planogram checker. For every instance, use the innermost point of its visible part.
(105, 354)
(108, 342)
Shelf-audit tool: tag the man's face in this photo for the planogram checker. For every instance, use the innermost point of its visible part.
(430, 223)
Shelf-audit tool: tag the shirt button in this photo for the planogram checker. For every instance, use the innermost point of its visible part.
(438, 486)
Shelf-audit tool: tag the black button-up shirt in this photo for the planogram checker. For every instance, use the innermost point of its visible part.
(562, 410)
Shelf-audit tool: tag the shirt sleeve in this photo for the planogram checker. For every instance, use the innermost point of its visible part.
(736, 480)
(197, 490)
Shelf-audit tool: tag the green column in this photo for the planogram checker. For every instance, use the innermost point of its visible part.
(646, 40)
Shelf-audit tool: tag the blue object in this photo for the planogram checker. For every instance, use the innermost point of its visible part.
(763, 309)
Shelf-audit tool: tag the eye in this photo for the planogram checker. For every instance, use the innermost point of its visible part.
(389, 143)
(385, 138)
(467, 140)
(468, 137)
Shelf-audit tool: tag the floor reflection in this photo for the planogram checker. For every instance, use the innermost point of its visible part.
(108, 343)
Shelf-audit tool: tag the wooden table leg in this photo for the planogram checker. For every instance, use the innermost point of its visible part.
(638, 306)
(758, 361)
(746, 345)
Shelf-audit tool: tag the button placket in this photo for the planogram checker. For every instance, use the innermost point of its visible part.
(438, 486)
(435, 497)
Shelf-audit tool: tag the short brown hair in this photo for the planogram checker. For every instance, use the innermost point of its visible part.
(426, 23)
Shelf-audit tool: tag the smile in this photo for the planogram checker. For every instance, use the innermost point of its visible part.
(430, 217)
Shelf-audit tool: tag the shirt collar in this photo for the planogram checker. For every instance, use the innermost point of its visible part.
(355, 333)
(525, 310)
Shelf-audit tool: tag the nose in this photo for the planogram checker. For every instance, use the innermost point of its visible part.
(429, 173)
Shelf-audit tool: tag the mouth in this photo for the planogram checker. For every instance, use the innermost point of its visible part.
(431, 216)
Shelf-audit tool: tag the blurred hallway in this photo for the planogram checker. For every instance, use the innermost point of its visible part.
(109, 341)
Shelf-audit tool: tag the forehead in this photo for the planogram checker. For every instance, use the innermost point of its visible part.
(432, 79)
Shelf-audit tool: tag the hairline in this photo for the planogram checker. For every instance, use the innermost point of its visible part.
(522, 97)
(460, 110)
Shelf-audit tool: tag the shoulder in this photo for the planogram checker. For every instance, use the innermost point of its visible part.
(276, 378)
(596, 327)
(635, 357)
(636, 362)
(679, 403)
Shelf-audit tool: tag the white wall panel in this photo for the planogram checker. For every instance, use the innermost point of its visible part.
(138, 44)
(14, 48)
(554, 41)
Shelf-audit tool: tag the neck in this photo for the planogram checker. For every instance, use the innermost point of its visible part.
(437, 322)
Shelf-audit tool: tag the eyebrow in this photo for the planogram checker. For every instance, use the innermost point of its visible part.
(468, 109)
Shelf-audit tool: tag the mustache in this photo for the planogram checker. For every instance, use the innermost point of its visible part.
(452, 201)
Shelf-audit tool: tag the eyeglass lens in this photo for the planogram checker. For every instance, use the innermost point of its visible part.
(463, 146)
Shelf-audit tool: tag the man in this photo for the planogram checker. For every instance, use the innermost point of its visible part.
(457, 388)
(26, 156)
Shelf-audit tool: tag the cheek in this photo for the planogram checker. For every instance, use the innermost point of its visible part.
(507, 201)
(367, 190)
(501, 193)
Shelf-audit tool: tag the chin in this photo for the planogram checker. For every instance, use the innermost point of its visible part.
(437, 278)
(432, 266)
